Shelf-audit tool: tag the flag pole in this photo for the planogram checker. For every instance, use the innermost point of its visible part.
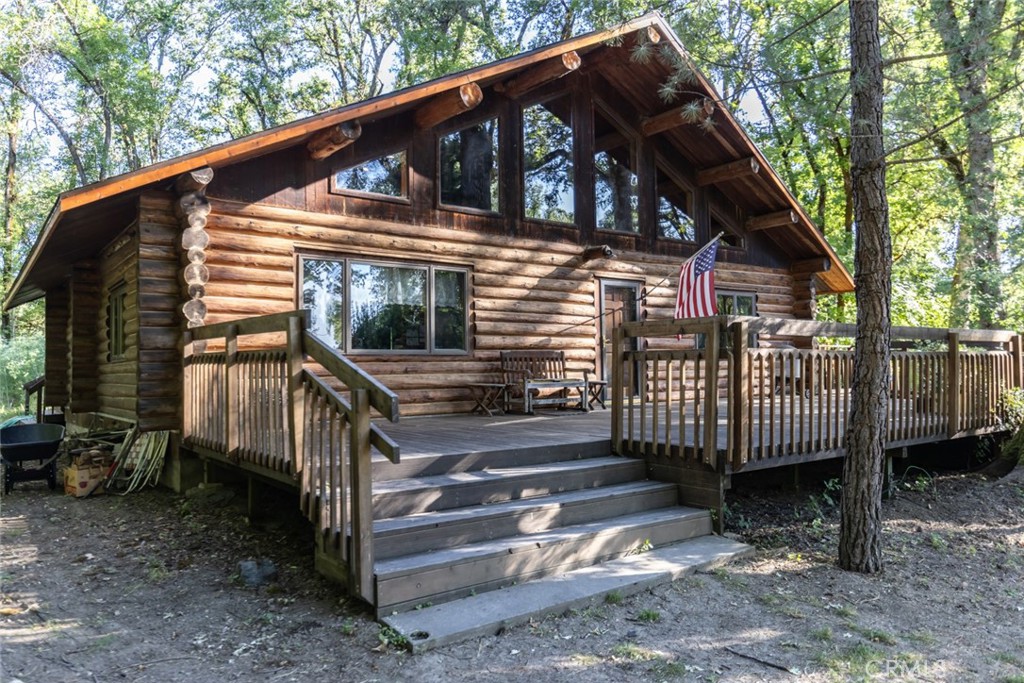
(668, 277)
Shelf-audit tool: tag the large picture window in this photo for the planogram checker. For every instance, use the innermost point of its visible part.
(615, 182)
(469, 167)
(547, 161)
(364, 306)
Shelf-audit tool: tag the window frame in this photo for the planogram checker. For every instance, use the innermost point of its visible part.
(456, 208)
(662, 166)
(574, 175)
(631, 139)
(117, 333)
(347, 261)
(405, 198)
(728, 225)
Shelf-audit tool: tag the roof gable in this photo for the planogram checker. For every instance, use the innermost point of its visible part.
(727, 155)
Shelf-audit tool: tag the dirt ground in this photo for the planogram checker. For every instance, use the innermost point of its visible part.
(147, 588)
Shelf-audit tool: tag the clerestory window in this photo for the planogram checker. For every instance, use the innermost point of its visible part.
(384, 176)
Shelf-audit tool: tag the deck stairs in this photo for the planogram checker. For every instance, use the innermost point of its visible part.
(450, 527)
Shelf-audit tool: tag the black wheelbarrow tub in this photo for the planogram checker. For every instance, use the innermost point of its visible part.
(24, 443)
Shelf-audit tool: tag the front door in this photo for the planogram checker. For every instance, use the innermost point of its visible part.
(619, 303)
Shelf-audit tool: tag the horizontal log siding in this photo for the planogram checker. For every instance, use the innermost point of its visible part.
(117, 385)
(82, 337)
(57, 321)
(525, 294)
(159, 398)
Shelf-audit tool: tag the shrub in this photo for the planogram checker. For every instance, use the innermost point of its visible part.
(21, 360)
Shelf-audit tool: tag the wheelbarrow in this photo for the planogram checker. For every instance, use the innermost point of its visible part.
(21, 445)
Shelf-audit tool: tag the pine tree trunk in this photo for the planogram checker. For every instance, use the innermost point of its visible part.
(860, 539)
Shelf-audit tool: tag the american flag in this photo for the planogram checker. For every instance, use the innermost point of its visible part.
(696, 295)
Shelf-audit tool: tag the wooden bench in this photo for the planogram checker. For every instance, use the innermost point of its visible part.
(536, 378)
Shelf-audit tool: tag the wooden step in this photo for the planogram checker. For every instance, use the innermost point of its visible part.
(399, 497)
(443, 575)
(462, 526)
(427, 465)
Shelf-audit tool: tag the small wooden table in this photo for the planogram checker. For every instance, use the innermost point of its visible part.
(489, 397)
(595, 389)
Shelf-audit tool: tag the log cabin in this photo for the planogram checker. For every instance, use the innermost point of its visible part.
(273, 301)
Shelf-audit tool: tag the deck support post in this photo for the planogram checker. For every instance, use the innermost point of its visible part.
(361, 555)
(231, 413)
(618, 338)
(740, 397)
(296, 399)
(711, 455)
(953, 386)
(1016, 352)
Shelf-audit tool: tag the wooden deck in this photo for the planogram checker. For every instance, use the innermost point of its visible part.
(447, 434)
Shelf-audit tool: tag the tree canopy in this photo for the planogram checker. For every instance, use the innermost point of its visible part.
(92, 88)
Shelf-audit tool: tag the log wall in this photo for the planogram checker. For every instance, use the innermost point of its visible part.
(84, 305)
(117, 379)
(56, 369)
(524, 293)
(161, 296)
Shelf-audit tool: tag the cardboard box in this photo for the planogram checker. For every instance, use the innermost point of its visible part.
(84, 480)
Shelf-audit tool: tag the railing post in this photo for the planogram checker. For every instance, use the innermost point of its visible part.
(953, 386)
(1017, 353)
(296, 400)
(618, 338)
(361, 564)
(740, 395)
(187, 351)
(231, 398)
(711, 399)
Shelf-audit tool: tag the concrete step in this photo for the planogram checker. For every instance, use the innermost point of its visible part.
(461, 526)
(400, 497)
(411, 580)
(427, 465)
(488, 613)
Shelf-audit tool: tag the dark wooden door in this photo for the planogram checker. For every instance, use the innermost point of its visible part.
(619, 302)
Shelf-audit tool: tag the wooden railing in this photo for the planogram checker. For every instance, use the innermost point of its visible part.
(265, 410)
(730, 407)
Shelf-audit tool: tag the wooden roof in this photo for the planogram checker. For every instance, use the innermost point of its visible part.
(83, 220)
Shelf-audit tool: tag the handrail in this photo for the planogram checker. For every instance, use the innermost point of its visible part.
(263, 324)
(813, 328)
(382, 399)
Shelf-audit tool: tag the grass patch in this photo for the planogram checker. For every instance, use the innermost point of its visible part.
(581, 659)
(1012, 660)
(823, 635)
(875, 635)
(613, 598)
(631, 652)
(649, 616)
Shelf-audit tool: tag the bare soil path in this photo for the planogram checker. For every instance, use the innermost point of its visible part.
(147, 588)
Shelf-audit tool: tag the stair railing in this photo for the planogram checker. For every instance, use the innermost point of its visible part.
(286, 403)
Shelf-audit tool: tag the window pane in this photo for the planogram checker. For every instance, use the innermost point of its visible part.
(322, 294)
(469, 167)
(384, 175)
(744, 305)
(449, 309)
(388, 308)
(547, 159)
(674, 220)
(615, 182)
